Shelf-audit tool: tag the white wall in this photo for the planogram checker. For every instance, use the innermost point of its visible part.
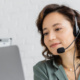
(17, 21)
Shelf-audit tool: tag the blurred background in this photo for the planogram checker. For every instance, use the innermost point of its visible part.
(18, 21)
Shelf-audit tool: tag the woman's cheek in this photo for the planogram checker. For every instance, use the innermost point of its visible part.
(63, 38)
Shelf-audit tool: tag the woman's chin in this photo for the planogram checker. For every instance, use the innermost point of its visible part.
(55, 53)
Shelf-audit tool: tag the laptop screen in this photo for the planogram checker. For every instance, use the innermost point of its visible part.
(10, 63)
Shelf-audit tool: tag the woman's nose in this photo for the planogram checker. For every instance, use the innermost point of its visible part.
(52, 36)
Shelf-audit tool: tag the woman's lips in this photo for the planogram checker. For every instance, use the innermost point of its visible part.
(55, 45)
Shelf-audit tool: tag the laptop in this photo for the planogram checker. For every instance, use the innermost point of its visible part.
(10, 63)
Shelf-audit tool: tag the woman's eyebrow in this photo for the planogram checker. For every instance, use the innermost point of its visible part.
(52, 26)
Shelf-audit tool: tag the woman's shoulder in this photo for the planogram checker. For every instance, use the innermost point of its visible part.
(45, 65)
(40, 70)
(43, 69)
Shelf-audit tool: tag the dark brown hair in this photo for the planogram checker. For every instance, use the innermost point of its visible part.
(70, 14)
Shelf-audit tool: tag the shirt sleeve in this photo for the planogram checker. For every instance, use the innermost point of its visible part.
(40, 72)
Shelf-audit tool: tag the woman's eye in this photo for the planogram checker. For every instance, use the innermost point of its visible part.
(45, 33)
(58, 29)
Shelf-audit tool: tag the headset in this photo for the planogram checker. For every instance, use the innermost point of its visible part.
(76, 33)
(76, 28)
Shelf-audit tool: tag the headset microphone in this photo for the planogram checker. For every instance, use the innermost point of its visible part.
(60, 50)
(75, 32)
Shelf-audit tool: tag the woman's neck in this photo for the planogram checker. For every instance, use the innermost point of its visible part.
(67, 59)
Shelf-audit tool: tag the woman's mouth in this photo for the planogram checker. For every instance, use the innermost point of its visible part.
(55, 45)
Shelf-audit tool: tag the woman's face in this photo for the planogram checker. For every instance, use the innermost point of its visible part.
(58, 30)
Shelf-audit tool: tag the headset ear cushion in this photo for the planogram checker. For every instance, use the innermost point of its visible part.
(74, 31)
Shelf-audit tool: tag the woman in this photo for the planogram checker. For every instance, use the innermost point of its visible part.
(55, 24)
